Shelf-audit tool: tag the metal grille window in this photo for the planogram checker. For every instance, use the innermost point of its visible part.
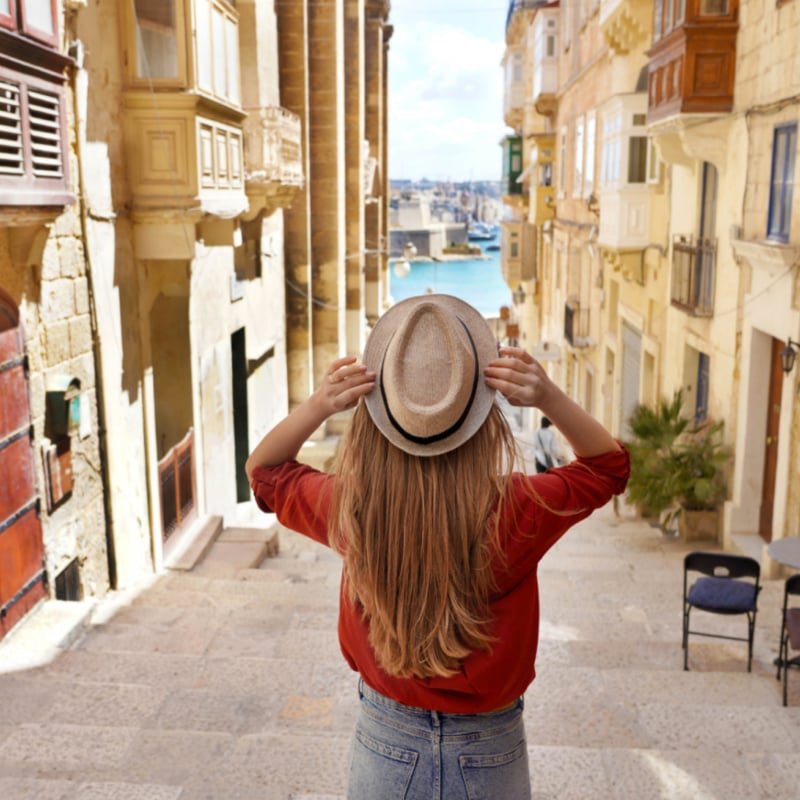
(693, 268)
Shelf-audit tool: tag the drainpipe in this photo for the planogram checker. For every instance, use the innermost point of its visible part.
(76, 51)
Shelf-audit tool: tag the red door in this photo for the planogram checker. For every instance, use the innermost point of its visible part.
(22, 577)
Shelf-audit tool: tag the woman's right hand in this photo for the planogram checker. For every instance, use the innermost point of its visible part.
(519, 378)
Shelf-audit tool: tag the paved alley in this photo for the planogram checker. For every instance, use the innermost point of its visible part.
(227, 684)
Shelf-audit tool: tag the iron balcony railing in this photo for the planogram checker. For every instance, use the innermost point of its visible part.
(576, 324)
(693, 270)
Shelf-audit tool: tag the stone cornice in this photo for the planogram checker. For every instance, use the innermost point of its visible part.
(772, 257)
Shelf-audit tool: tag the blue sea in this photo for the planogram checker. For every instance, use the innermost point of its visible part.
(478, 282)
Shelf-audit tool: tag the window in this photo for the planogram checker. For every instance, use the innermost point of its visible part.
(517, 68)
(669, 14)
(591, 135)
(637, 159)
(550, 47)
(784, 149)
(653, 162)
(611, 152)
(32, 142)
(218, 50)
(577, 185)
(708, 202)
(33, 18)
(714, 8)
(562, 162)
(156, 39)
(701, 396)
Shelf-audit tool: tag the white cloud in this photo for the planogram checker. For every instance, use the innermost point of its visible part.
(445, 99)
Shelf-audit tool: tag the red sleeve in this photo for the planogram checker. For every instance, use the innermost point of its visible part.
(547, 505)
(299, 495)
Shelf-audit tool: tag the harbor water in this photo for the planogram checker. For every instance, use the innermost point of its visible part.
(477, 281)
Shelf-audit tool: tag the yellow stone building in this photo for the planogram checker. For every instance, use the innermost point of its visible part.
(193, 224)
(671, 260)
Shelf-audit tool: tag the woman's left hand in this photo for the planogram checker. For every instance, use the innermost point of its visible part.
(344, 383)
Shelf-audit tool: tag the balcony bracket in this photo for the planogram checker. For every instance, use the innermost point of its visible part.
(692, 138)
(26, 243)
(629, 263)
(625, 24)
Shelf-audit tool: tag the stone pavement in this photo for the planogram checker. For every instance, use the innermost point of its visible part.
(226, 683)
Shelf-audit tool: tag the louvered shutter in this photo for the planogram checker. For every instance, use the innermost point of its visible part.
(11, 146)
(44, 112)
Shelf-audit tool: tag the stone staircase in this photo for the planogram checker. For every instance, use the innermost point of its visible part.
(226, 682)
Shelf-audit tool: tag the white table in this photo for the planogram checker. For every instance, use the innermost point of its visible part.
(786, 550)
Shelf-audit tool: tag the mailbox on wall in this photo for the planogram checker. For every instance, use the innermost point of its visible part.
(63, 405)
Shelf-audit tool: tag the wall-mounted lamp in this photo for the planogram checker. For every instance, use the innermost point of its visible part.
(518, 295)
(789, 356)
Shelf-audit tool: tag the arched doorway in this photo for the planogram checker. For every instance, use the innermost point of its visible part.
(22, 576)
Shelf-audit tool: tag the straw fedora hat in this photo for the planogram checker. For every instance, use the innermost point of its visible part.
(429, 354)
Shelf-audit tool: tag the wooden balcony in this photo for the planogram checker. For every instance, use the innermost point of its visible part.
(273, 158)
(512, 166)
(625, 217)
(693, 271)
(545, 86)
(183, 155)
(576, 324)
(692, 66)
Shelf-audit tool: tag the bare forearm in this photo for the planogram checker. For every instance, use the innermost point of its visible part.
(284, 441)
(344, 383)
(585, 434)
(523, 382)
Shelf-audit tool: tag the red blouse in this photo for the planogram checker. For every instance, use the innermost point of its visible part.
(301, 497)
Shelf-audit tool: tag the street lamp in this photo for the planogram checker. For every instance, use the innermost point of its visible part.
(788, 355)
(518, 295)
(402, 268)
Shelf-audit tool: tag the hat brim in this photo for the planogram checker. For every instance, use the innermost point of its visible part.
(485, 346)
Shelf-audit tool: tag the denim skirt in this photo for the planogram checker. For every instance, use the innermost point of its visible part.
(404, 753)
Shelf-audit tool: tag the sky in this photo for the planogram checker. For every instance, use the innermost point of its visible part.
(446, 89)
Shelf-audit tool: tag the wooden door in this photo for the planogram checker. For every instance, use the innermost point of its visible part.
(22, 576)
(771, 443)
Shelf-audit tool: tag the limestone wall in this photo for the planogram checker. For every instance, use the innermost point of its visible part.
(53, 300)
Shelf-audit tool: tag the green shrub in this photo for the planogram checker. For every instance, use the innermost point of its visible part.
(674, 462)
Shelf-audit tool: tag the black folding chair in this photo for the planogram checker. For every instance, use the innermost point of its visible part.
(790, 632)
(721, 590)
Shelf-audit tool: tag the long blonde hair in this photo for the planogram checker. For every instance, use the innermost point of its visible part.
(418, 535)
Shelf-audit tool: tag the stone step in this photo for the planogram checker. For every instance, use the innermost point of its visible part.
(237, 549)
(184, 554)
(50, 628)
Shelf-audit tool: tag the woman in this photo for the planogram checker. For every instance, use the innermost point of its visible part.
(440, 540)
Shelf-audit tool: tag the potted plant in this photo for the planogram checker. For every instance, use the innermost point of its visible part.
(652, 486)
(677, 469)
(700, 462)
